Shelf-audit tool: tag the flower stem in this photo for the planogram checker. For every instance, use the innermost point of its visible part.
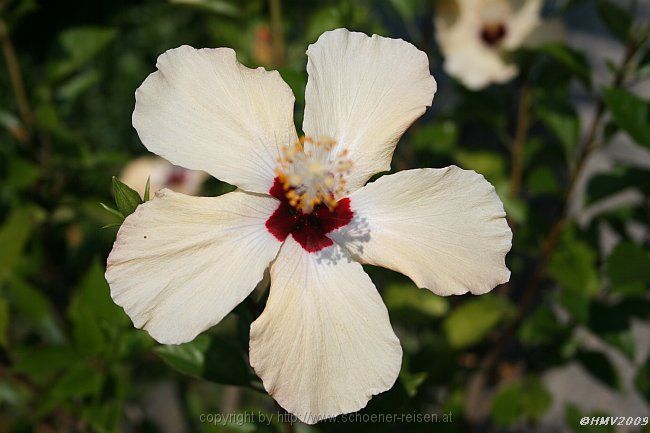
(277, 32)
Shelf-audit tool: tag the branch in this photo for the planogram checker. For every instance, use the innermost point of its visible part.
(15, 76)
(521, 135)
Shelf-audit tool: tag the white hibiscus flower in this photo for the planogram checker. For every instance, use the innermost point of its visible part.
(474, 36)
(324, 343)
(162, 174)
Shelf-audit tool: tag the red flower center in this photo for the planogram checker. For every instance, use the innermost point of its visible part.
(309, 230)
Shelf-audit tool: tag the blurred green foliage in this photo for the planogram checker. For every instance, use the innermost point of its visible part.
(70, 359)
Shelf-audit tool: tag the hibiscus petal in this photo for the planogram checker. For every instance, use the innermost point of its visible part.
(203, 110)
(444, 228)
(364, 92)
(467, 58)
(525, 19)
(181, 263)
(324, 344)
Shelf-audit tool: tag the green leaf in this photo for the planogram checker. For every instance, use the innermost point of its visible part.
(489, 164)
(631, 113)
(628, 268)
(126, 199)
(109, 209)
(561, 118)
(218, 7)
(81, 44)
(541, 180)
(527, 399)
(188, 358)
(541, 327)
(439, 138)
(14, 234)
(409, 298)
(573, 264)
(208, 357)
(605, 184)
(35, 307)
(573, 415)
(147, 189)
(616, 19)
(93, 313)
(468, 323)
(412, 381)
(574, 61)
(599, 366)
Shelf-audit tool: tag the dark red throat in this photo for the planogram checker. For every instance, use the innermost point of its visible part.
(493, 34)
(309, 230)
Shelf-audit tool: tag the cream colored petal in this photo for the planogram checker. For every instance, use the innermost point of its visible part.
(477, 67)
(524, 20)
(324, 344)
(181, 263)
(203, 110)
(443, 228)
(364, 92)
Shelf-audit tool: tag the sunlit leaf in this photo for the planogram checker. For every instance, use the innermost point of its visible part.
(468, 323)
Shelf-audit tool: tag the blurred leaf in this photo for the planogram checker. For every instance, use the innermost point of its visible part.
(77, 85)
(126, 199)
(208, 357)
(615, 18)
(573, 415)
(573, 60)
(573, 264)
(631, 113)
(605, 184)
(527, 399)
(561, 118)
(14, 234)
(412, 381)
(489, 164)
(4, 322)
(599, 366)
(188, 358)
(642, 380)
(410, 298)
(81, 44)
(219, 7)
(541, 180)
(628, 268)
(37, 308)
(439, 138)
(541, 327)
(468, 323)
(93, 312)
(42, 363)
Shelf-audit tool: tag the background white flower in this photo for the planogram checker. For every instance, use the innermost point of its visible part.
(162, 174)
(475, 34)
(324, 344)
